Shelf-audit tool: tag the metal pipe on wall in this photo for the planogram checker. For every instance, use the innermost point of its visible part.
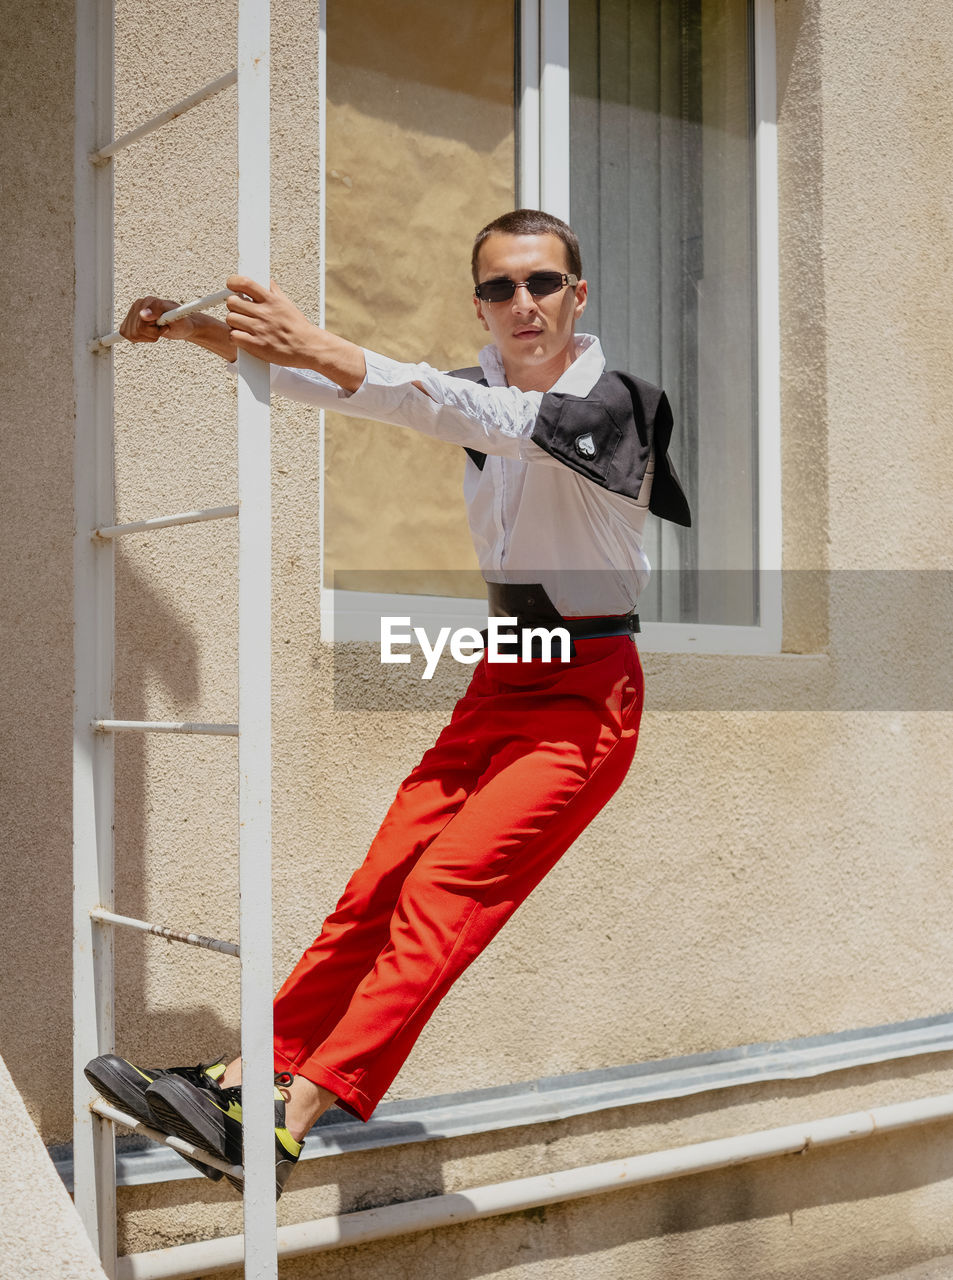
(324, 1234)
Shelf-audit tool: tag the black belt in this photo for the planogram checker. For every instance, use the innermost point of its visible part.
(624, 624)
(529, 604)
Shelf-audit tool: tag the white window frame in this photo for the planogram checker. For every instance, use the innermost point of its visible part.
(544, 177)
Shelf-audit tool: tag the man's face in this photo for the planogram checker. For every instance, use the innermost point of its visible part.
(529, 332)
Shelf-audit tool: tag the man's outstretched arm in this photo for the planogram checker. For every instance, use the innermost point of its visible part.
(263, 322)
(317, 367)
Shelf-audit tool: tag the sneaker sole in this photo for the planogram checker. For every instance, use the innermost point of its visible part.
(283, 1171)
(109, 1076)
(179, 1112)
(172, 1104)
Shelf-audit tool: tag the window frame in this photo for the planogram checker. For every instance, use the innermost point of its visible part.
(543, 176)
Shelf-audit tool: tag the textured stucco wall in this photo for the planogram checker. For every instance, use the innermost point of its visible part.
(40, 1231)
(767, 872)
(36, 529)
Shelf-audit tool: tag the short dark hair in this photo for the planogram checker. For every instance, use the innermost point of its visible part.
(529, 222)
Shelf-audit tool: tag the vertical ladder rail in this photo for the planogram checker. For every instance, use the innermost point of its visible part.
(93, 610)
(94, 565)
(554, 107)
(254, 661)
(529, 127)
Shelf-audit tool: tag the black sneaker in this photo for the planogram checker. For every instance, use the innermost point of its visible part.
(211, 1118)
(125, 1085)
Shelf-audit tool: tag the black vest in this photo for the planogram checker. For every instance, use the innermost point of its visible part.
(608, 436)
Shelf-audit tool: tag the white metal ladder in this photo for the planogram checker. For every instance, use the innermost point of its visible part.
(94, 918)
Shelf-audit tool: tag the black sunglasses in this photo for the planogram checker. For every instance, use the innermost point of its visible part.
(540, 284)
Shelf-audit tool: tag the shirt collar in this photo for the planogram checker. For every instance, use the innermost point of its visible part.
(582, 375)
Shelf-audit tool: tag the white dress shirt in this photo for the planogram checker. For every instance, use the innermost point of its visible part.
(532, 518)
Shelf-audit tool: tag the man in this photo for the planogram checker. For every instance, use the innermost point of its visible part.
(564, 463)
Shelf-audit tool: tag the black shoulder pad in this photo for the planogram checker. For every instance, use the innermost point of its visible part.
(473, 374)
(609, 435)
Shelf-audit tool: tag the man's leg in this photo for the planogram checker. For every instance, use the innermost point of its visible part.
(323, 982)
(559, 740)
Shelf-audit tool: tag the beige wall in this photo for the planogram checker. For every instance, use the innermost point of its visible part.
(36, 526)
(41, 1234)
(771, 872)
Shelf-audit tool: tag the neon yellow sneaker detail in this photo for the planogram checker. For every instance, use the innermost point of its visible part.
(210, 1117)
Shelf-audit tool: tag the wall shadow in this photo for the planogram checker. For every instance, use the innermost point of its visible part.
(158, 660)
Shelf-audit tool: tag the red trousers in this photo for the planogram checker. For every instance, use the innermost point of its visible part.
(532, 752)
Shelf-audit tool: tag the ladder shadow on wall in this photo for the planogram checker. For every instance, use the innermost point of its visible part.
(176, 836)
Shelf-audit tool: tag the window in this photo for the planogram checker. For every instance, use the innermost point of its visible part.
(662, 197)
(420, 155)
(644, 124)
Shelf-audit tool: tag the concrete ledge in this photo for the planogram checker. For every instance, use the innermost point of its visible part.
(40, 1231)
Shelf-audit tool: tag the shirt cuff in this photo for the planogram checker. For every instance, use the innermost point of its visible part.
(386, 384)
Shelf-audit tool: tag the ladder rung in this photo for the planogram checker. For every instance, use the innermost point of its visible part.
(186, 309)
(162, 931)
(170, 113)
(165, 522)
(102, 1108)
(165, 726)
